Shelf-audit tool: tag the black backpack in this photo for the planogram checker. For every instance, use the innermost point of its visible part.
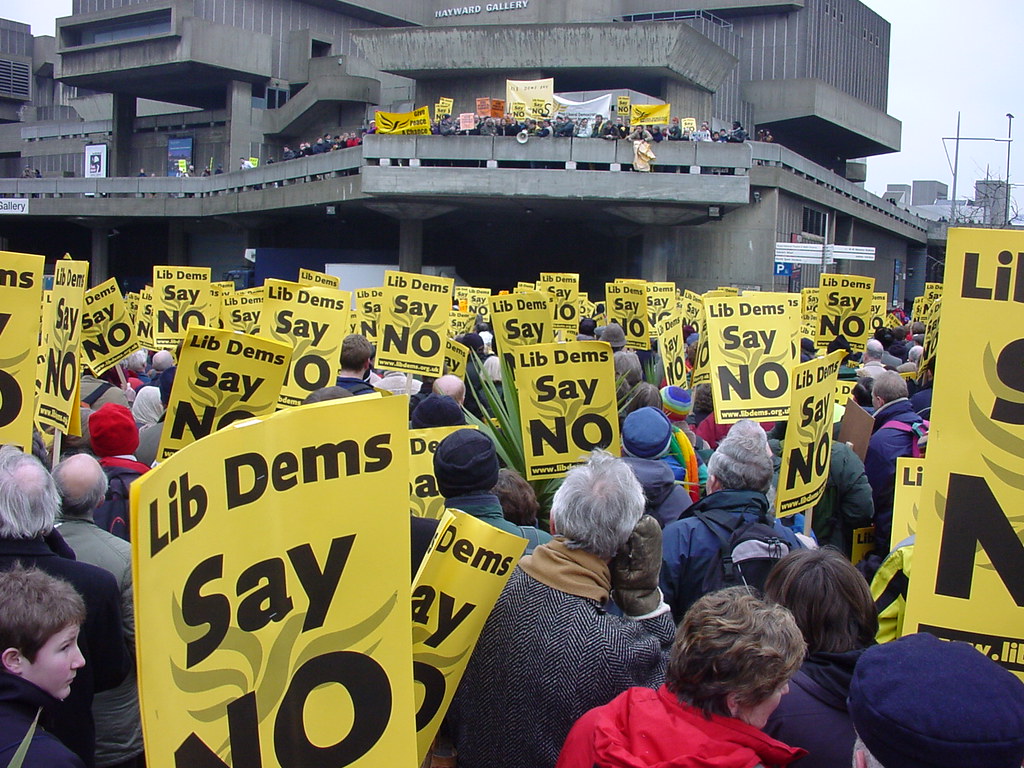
(113, 514)
(748, 551)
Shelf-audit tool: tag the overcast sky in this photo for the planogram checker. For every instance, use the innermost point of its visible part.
(946, 55)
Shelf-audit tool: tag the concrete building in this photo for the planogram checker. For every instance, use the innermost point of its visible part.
(212, 82)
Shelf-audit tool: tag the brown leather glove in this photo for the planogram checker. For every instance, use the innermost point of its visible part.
(636, 568)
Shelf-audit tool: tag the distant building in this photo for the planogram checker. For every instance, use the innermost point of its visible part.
(214, 83)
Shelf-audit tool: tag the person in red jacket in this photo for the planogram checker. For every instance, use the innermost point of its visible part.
(731, 663)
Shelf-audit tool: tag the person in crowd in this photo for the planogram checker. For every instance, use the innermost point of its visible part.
(739, 477)
(450, 386)
(643, 395)
(913, 360)
(677, 404)
(356, 362)
(833, 608)
(97, 392)
(889, 588)
(466, 469)
(134, 367)
(332, 392)
(114, 437)
(492, 369)
(162, 360)
(892, 436)
(737, 134)
(675, 130)
(665, 500)
(147, 408)
(520, 507)
(587, 330)
(703, 406)
(149, 435)
(731, 663)
(40, 620)
(597, 126)
(550, 650)
(29, 503)
(610, 131)
(82, 485)
(710, 431)
(437, 411)
(872, 360)
(702, 134)
(922, 399)
(647, 433)
(476, 401)
(922, 702)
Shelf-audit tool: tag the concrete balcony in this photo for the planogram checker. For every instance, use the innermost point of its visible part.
(168, 55)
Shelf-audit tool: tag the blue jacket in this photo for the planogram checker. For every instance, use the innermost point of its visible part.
(19, 702)
(689, 548)
(885, 447)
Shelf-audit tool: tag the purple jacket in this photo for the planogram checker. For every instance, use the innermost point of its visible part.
(880, 464)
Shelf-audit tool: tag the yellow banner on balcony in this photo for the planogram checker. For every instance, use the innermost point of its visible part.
(650, 114)
(537, 96)
(416, 122)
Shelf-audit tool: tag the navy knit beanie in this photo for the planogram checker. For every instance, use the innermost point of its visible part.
(921, 702)
(646, 433)
(437, 411)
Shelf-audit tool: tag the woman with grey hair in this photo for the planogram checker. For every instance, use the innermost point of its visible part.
(550, 649)
(739, 479)
(730, 666)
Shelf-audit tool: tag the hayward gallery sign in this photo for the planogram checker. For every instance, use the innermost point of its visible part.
(464, 10)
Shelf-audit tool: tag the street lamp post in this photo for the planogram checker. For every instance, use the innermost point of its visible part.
(1009, 143)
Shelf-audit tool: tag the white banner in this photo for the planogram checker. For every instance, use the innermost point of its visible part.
(602, 105)
(95, 161)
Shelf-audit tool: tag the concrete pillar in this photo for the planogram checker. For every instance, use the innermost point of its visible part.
(658, 246)
(99, 256)
(239, 108)
(121, 136)
(177, 244)
(410, 245)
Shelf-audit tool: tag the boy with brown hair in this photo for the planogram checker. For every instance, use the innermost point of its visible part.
(40, 617)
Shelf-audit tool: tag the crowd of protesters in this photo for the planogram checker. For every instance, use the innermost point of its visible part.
(626, 636)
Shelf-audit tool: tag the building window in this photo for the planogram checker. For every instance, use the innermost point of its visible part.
(15, 79)
(112, 30)
(320, 49)
(276, 97)
(814, 222)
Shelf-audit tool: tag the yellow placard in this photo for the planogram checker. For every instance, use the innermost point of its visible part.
(108, 333)
(844, 390)
(414, 322)
(586, 306)
(465, 569)
(461, 322)
(271, 622)
(626, 304)
(312, 277)
(672, 348)
(931, 336)
(917, 310)
(240, 311)
(456, 356)
(622, 106)
(404, 123)
(131, 302)
(313, 321)
(863, 543)
(144, 317)
(425, 500)
(519, 110)
(476, 300)
(809, 312)
(751, 356)
(691, 305)
(844, 309)
(879, 301)
(58, 395)
(537, 95)
(688, 124)
(567, 404)
(565, 287)
(446, 103)
(182, 297)
(701, 373)
(661, 303)
(892, 320)
(21, 289)
(522, 318)
(367, 312)
(807, 451)
(223, 377)
(650, 114)
(968, 574)
(907, 499)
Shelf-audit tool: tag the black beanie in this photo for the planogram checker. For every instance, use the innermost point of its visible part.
(437, 411)
(465, 462)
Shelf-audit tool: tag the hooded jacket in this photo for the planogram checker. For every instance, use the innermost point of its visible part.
(813, 714)
(19, 702)
(644, 728)
(666, 501)
(886, 445)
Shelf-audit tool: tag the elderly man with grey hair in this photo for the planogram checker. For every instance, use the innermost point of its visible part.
(82, 485)
(551, 650)
(739, 478)
(872, 360)
(28, 508)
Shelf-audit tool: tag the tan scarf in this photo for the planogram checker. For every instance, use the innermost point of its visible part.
(569, 570)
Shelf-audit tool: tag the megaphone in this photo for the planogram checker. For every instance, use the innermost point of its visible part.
(523, 136)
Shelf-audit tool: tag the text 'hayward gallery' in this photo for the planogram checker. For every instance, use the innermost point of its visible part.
(214, 81)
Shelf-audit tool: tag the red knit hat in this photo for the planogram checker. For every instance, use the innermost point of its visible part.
(112, 431)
